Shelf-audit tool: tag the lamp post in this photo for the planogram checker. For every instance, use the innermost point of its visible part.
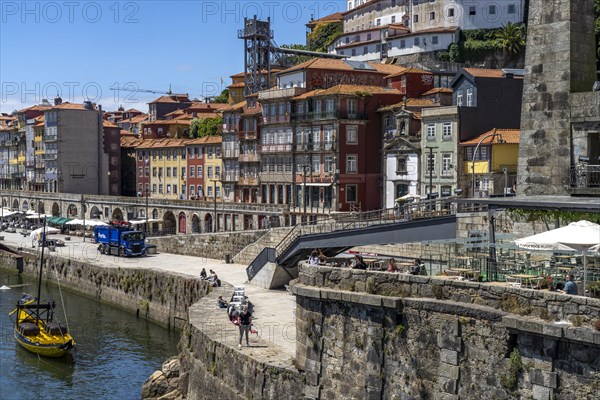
(492, 135)
(83, 214)
(216, 219)
(146, 226)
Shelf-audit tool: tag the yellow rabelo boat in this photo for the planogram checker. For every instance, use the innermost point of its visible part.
(35, 326)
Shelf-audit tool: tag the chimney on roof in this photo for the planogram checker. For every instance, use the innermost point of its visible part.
(45, 102)
(88, 105)
(57, 101)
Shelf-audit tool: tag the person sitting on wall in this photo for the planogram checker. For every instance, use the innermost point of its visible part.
(203, 274)
(222, 303)
(358, 262)
(391, 266)
(570, 286)
(314, 258)
(415, 269)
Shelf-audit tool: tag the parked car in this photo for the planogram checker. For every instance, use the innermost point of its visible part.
(53, 242)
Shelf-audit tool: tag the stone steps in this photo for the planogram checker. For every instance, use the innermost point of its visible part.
(270, 239)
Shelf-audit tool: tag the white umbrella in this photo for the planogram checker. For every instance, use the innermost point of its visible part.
(36, 232)
(95, 222)
(579, 236)
(75, 221)
(37, 216)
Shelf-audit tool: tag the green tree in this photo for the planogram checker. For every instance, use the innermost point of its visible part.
(223, 98)
(205, 127)
(512, 39)
(323, 35)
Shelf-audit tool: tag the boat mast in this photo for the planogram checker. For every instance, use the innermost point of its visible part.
(39, 293)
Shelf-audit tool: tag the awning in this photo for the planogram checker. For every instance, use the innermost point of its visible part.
(61, 221)
(143, 221)
(317, 184)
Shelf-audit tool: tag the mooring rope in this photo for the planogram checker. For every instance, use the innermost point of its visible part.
(62, 301)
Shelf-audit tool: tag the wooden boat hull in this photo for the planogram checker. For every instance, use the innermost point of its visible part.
(36, 345)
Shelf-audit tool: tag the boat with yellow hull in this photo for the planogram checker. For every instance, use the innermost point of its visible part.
(36, 330)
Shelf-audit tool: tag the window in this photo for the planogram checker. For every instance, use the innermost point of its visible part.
(183, 171)
(353, 52)
(352, 134)
(511, 9)
(369, 36)
(492, 9)
(386, 121)
(168, 189)
(217, 172)
(209, 172)
(199, 174)
(482, 153)
(192, 169)
(451, 12)
(347, 39)
(402, 44)
(351, 164)
(472, 10)
(378, 23)
(183, 190)
(147, 171)
(417, 41)
(351, 108)
(430, 163)
(141, 171)
(401, 190)
(210, 152)
(365, 50)
(469, 97)
(317, 106)
(430, 131)
(174, 172)
(393, 19)
(329, 105)
(328, 165)
(154, 188)
(209, 191)
(446, 191)
(160, 188)
(447, 164)
(168, 154)
(401, 165)
(416, 18)
(217, 191)
(192, 187)
(432, 16)
(447, 130)
(434, 40)
(140, 157)
(160, 172)
(351, 194)
(459, 98)
(217, 152)
(169, 172)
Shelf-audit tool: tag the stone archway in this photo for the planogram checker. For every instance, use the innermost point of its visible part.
(25, 205)
(15, 204)
(208, 223)
(55, 210)
(195, 224)
(41, 207)
(169, 223)
(117, 215)
(72, 211)
(155, 214)
(182, 223)
(95, 213)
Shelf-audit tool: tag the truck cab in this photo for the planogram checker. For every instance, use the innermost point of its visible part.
(120, 239)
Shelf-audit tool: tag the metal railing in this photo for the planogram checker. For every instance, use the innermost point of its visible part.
(585, 176)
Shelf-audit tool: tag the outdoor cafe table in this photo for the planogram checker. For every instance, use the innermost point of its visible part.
(463, 272)
(524, 280)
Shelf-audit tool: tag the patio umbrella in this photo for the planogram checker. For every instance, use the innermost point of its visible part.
(579, 236)
(75, 221)
(35, 233)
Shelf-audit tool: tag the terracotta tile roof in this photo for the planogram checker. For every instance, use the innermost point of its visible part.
(129, 134)
(237, 85)
(70, 106)
(178, 121)
(364, 5)
(340, 65)
(108, 124)
(205, 140)
(348, 90)
(130, 141)
(161, 143)
(199, 106)
(484, 72)
(133, 110)
(405, 71)
(136, 119)
(35, 108)
(236, 107)
(410, 103)
(437, 90)
(335, 17)
(173, 98)
(510, 136)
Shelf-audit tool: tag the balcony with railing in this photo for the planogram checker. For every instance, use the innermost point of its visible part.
(328, 146)
(585, 179)
(276, 119)
(230, 128)
(230, 153)
(317, 115)
(248, 135)
(230, 176)
(50, 138)
(248, 157)
(274, 148)
(249, 180)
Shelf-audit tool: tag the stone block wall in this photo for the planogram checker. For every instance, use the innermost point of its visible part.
(361, 335)
(158, 296)
(214, 246)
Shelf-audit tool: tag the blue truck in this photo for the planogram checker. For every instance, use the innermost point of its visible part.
(120, 240)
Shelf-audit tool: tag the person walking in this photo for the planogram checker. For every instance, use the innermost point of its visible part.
(245, 325)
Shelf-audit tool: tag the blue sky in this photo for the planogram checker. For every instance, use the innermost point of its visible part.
(81, 48)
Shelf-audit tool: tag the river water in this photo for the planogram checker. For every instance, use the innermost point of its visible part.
(114, 355)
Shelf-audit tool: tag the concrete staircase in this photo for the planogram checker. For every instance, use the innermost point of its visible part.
(271, 238)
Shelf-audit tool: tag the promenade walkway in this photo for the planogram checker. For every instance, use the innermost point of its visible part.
(273, 310)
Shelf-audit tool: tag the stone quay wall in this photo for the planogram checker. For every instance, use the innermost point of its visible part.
(158, 296)
(216, 370)
(215, 246)
(412, 337)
